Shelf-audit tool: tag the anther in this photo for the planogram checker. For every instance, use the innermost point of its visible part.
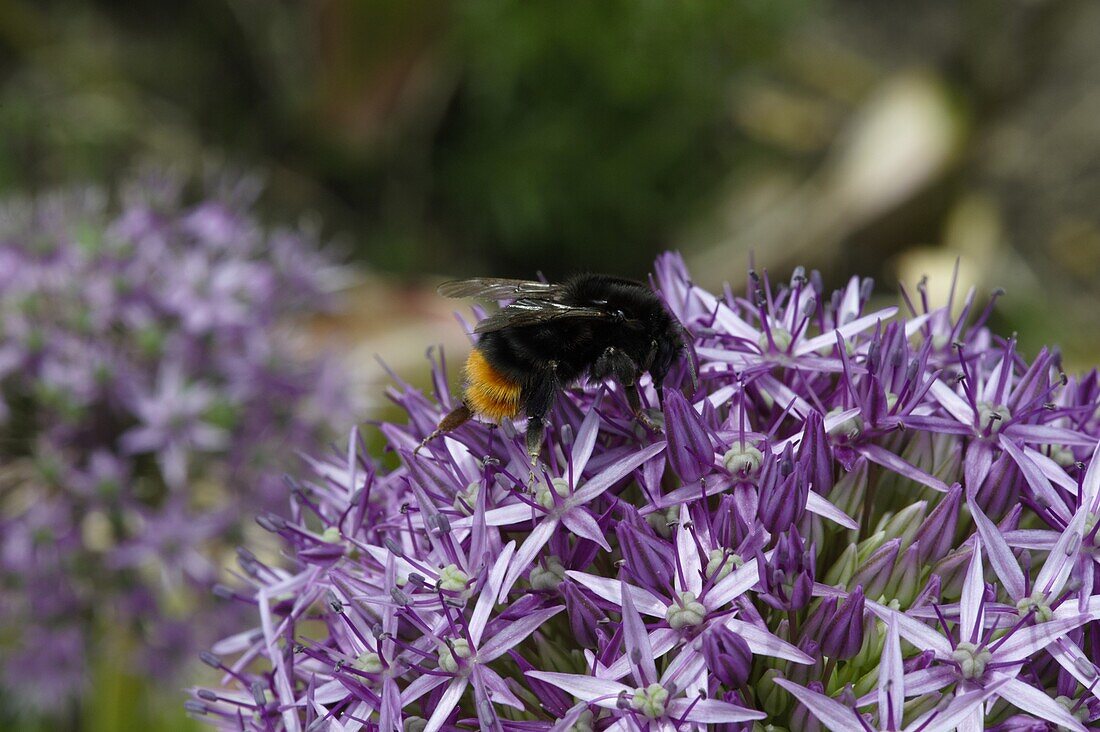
(271, 522)
(258, 693)
(194, 707)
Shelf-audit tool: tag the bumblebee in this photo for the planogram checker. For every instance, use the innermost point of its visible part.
(552, 335)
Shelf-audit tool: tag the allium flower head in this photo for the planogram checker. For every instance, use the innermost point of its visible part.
(808, 545)
(149, 396)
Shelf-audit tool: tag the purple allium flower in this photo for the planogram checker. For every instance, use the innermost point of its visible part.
(841, 480)
(150, 395)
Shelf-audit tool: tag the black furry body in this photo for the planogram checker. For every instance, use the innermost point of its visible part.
(638, 335)
(552, 335)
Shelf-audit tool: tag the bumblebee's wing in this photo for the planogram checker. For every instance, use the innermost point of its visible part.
(495, 288)
(534, 312)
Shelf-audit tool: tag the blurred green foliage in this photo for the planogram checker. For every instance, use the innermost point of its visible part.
(478, 137)
(583, 132)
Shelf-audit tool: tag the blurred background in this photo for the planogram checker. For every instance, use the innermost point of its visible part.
(507, 137)
(430, 139)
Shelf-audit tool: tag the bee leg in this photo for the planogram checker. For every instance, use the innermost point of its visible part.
(613, 362)
(634, 399)
(535, 430)
(454, 419)
(538, 400)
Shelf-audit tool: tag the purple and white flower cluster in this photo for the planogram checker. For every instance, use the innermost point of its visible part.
(859, 521)
(150, 390)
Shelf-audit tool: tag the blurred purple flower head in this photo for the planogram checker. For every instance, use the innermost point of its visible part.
(149, 394)
(831, 489)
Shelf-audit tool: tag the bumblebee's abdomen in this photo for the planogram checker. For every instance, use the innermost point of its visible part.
(489, 393)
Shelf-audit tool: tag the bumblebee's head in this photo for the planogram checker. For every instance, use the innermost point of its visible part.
(668, 347)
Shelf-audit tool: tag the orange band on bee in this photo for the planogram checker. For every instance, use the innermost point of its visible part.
(488, 392)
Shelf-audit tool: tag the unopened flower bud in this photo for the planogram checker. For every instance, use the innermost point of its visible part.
(647, 560)
(584, 615)
(772, 698)
(787, 579)
(937, 534)
(815, 455)
(801, 717)
(842, 636)
(727, 655)
(1000, 490)
(904, 524)
(844, 568)
(876, 571)
(820, 615)
(848, 492)
(690, 452)
(904, 580)
(782, 502)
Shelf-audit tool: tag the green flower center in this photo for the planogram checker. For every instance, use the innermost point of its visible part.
(1091, 520)
(663, 521)
(993, 416)
(743, 459)
(850, 428)
(584, 723)
(543, 496)
(1038, 602)
(548, 574)
(448, 658)
(720, 562)
(781, 337)
(466, 499)
(453, 579)
(370, 663)
(650, 701)
(971, 658)
(1062, 455)
(1079, 712)
(686, 612)
(331, 535)
(415, 724)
